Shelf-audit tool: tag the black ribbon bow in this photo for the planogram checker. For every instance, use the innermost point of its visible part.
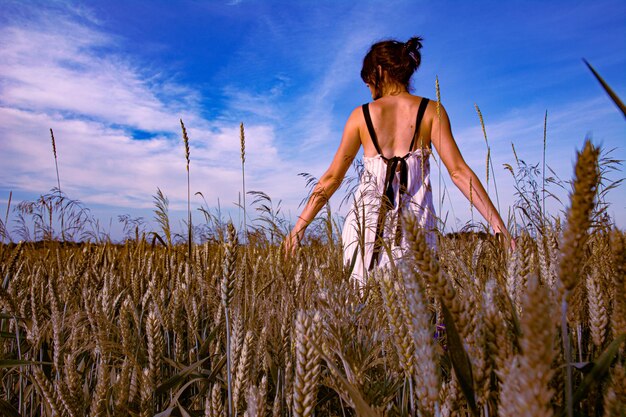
(389, 202)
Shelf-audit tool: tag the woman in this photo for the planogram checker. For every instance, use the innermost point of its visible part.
(397, 131)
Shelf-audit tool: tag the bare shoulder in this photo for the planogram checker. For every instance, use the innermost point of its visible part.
(431, 105)
(356, 115)
(433, 111)
(356, 120)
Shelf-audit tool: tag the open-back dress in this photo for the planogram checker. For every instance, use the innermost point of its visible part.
(388, 186)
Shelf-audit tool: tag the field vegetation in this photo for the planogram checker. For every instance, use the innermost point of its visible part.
(225, 324)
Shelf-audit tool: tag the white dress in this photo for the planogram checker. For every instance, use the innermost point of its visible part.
(387, 188)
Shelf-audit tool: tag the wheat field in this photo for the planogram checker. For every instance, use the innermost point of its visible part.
(223, 328)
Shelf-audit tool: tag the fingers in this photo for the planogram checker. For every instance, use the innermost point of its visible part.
(290, 244)
(505, 239)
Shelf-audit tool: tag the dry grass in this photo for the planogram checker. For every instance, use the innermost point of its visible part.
(139, 328)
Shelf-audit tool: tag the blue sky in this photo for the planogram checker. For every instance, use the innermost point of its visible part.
(112, 78)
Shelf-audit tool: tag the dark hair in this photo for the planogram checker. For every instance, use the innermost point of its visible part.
(399, 60)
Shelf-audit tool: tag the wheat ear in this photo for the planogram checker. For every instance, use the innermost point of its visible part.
(227, 290)
(525, 389)
(574, 241)
(615, 394)
(307, 364)
(189, 227)
(579, 215)
(428, 266)
(598, 314)
(242, 140)
(56, 165)
(48, 391)
(425, 360)
(243, 369)
(391, 302)
(214, 404)
(99, 400)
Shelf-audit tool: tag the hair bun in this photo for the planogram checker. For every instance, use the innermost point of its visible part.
(414, 44)
(412, 47)
(399, 60)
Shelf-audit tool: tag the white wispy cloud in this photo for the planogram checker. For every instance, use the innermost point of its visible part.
(68, 76)
(61, 67)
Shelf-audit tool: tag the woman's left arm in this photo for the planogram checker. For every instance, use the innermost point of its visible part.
(330, 180)
(462, 175)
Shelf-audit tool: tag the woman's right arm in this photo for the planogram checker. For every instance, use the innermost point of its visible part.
(330, 180)
(462, 175)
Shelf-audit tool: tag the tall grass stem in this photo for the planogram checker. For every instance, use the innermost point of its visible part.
(438, 141)
(56, 165)
(543, 171)
(189, 228)
(242, 139)
(489, 161)
(567, 352)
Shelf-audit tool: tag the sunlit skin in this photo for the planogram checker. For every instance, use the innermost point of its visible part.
(393, 116)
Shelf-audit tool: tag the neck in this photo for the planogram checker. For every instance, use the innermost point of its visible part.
(393, 90)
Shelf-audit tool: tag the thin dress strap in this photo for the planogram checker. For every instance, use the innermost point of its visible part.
(418, 120)
(372, 132)
(388, 199)
(370, 128)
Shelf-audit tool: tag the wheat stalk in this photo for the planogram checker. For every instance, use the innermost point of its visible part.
(242, 140)
(403, 342)
(56, 164)
(495, 343)
(56, 320)
(99, 312)
(543, 170)
(228, 288)
(189, 227)
(525, 388)
(471, 198)
(482, 125)
(438, 109)
(429, 268)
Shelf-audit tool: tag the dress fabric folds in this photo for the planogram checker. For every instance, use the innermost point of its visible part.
(388, 188)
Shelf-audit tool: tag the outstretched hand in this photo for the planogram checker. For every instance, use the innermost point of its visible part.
(291, 243)
(506, 240)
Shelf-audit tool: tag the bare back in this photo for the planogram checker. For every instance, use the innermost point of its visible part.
(393, 118)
